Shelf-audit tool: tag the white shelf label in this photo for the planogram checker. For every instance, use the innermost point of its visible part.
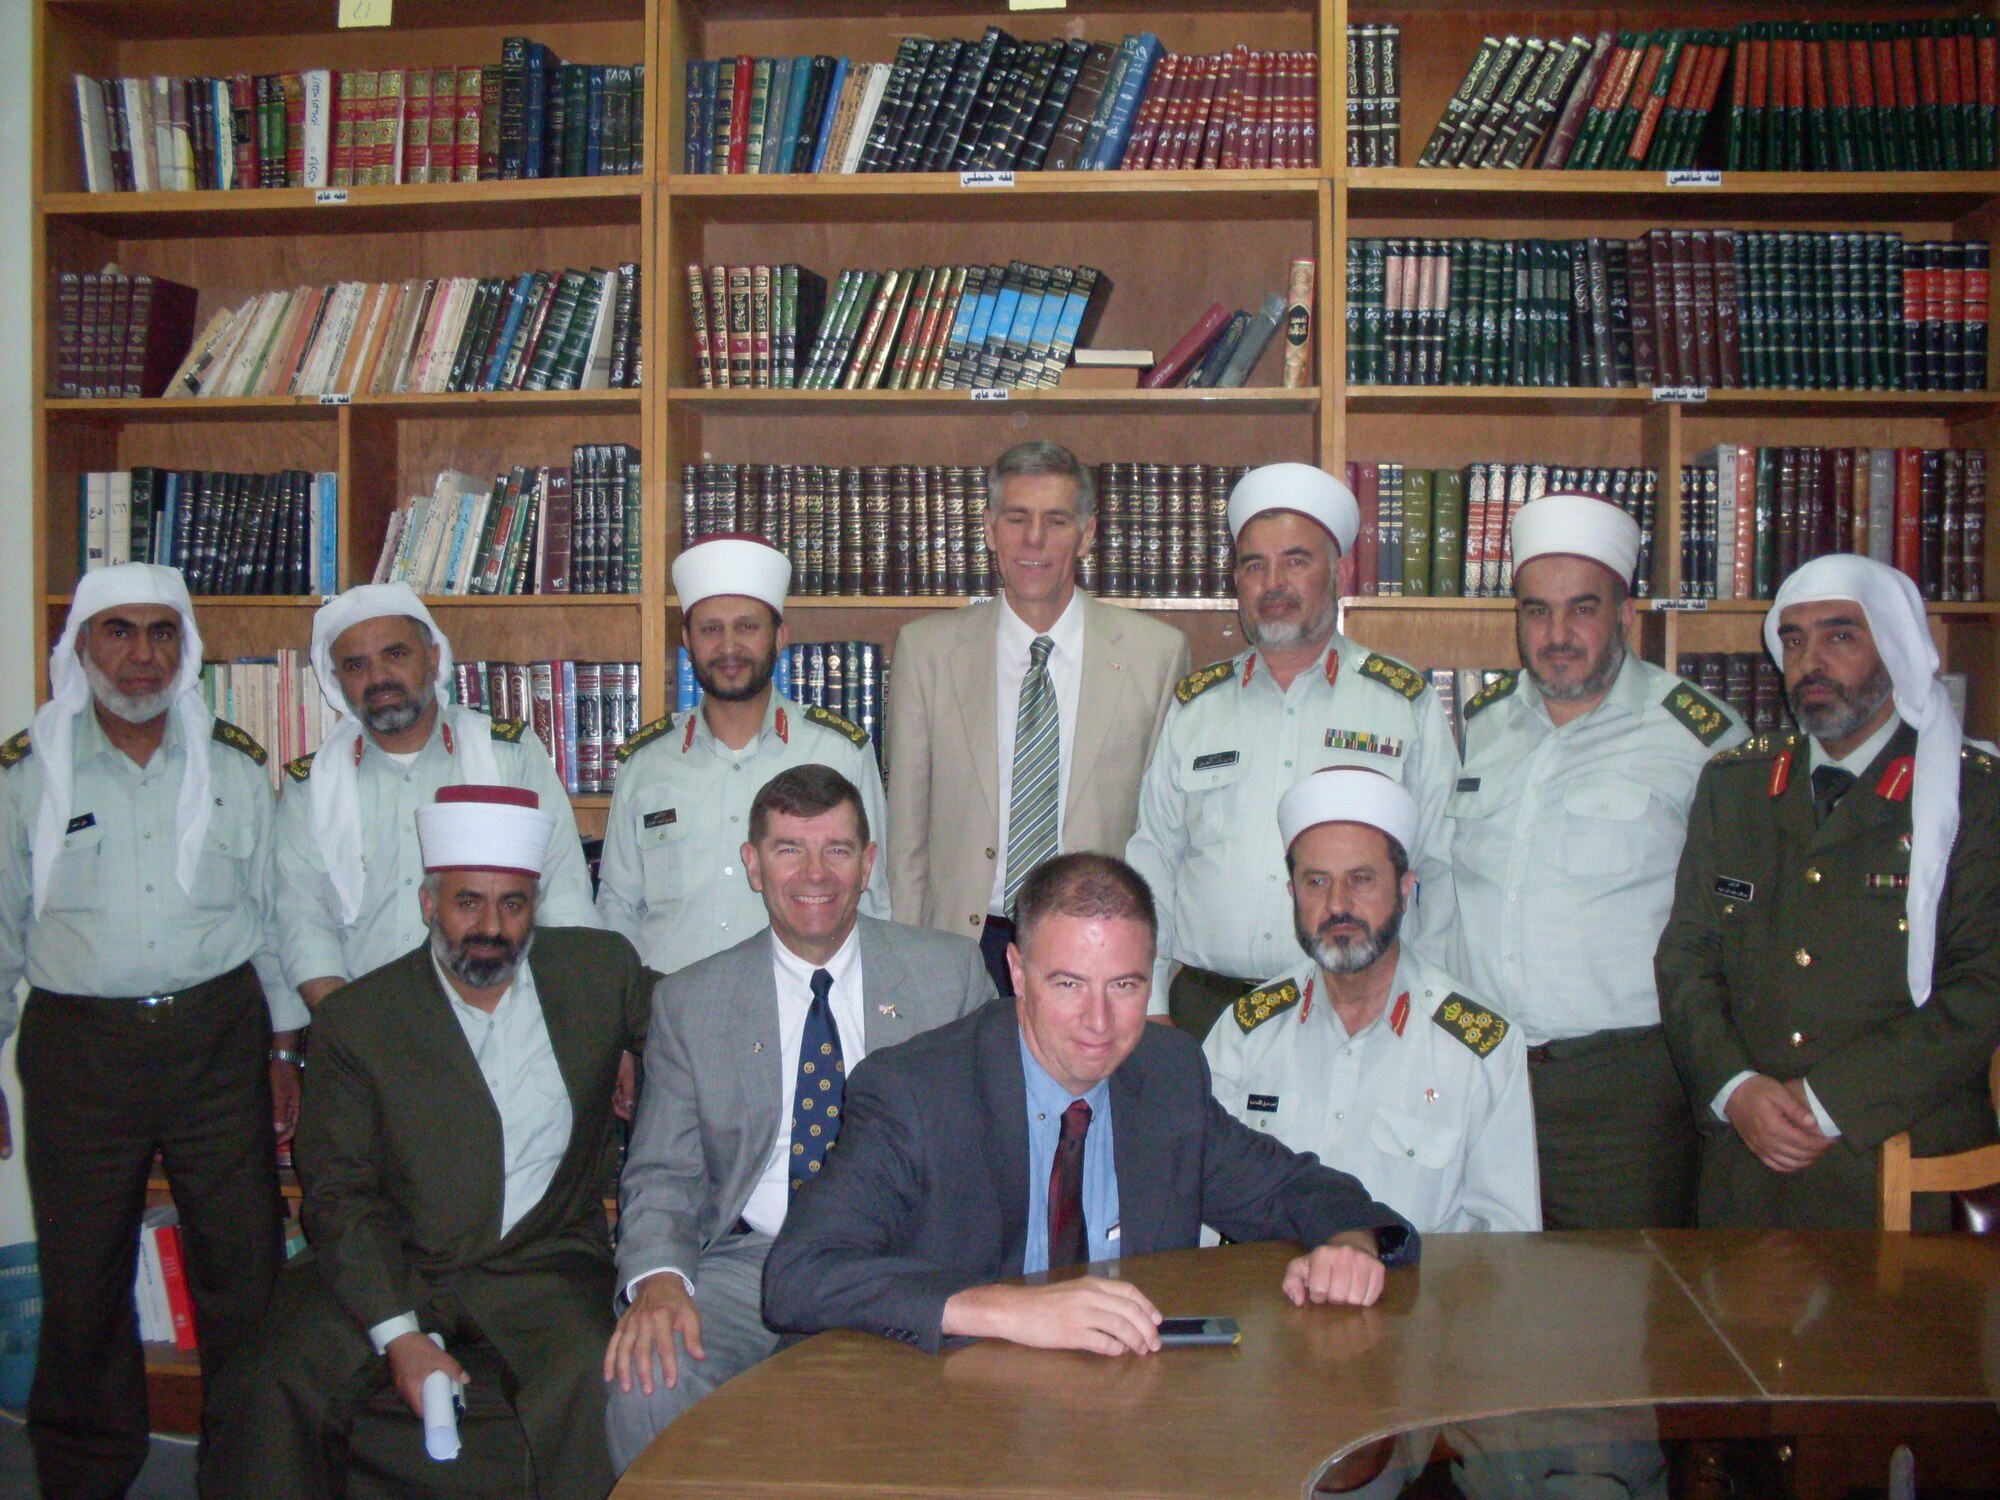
(986, 179)
(326, 196)
(365, 13)
(1694, 177)
(1036, 4)
(1681, 606)
(1681, 395)
(990, 393)
(335, 398)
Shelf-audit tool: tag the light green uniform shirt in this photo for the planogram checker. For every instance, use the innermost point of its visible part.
(1565, 842)
(116, 922)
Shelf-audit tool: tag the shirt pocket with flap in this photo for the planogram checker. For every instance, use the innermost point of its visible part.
(75, 883)
(219, 878)
(1600, 824)
(1205, 777)
(1470, 811)
(665, 854)
(1405, 1137)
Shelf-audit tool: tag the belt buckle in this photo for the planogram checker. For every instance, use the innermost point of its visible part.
(155, 1007)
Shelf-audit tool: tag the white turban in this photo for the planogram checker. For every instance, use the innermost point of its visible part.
(335, 785)
(54, 730)
(1895, 614)
(1311, 492)
(502, 828)
(1349, 794)
(733, 564)
(1579, 526)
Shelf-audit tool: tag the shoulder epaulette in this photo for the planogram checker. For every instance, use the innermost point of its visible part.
(645, 735)
(509, 731)
(1202, 679)
(15, 751)
(1704, 718)
(1972, 755)
(1500, 687)
(226, 733)
(1479, 1027)
(1757, 747)
(302, 768)
(1393, 674)
(828, 720)
(1257, 1007)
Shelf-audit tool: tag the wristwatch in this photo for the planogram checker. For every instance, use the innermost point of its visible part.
(287, 1055)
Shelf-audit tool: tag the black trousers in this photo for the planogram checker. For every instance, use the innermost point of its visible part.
(1615, 1132)
(1197, 996)
(105, 1084)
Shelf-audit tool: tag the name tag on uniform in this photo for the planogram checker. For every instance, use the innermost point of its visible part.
(1468, 783)
(1263, 1104)
(662, 818)
(1357, 739)
(1217, 758)
(80, 822)
(1729, 888)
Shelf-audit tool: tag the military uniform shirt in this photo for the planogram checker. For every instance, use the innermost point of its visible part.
(1232, 745)
(116, 922)
(1427, 1104)
(317, 944)
(672, 877)
(1564, 842)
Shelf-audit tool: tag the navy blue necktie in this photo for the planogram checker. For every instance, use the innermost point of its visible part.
(822, 1077)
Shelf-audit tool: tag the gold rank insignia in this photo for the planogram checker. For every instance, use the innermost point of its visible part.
(1257, 1007)
(646, 734)
(226, 733)
(1479, 1027)
(1391, 673)
(15, 751)
(1978, 758)
(1202, 679)
(1492, 693)
(509, 731)
(300, 769)
(817, 715)
(1704, 720)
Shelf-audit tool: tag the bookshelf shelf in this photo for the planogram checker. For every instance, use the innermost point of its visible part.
(188, 20)
(236, 408)
(1447, 605)
(1631, 401)
(1876, 197)
(541, 204)
(1180, 402)
(1179, 196)
(1970, 613)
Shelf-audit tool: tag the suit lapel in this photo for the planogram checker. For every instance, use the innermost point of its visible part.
(1140, 1179)
(473, 1143)
(886, 989)
(754, 1039)
(1003, 1090)
(974, 681)
(569, 1031)
(1097, 712)
(1864, 810)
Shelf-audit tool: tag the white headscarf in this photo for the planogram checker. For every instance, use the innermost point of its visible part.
(1895, 614)
(335, 785)
(54, 731)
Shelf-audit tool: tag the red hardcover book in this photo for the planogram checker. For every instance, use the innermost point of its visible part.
(1309, 111)
(1863, 75)
(1909, 511)
(1366, 482)
(1186, 350)
(1702, 259)
(1757, 94)
(1666, 321)
(1687, 338)
(1146, 127)
(1166, 153)
(243, 106)
(1653, 103)
(1816, 98)
(173, 1274)
(1842, 530)
(1258, 153)
(157, 337)
(1231, 155)
(553, 539)
(417, 106)
(1728, 312)
(1203, 101)
(739, 115)
(1645, 320)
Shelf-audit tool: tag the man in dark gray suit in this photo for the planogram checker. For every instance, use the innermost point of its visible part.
(745, 1068)
(1047, 1132)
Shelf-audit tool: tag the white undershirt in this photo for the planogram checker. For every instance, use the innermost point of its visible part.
(1013, 642)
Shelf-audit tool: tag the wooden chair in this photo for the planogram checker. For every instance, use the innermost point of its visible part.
(1900, 1175)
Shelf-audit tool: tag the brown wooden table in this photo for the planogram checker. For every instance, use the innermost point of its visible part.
(1744, 1325)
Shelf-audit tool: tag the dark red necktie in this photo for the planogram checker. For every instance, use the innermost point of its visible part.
(1068, 1242)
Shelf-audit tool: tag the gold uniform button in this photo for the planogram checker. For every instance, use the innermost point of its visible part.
(1803, 959)
(1902, 924)
(973, 920)
(1729, 911)
(1812, 875)
(1798, 1039)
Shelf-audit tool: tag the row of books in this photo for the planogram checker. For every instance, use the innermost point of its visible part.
(529, 115)
(1374, 94)
(1748, 681)
(119, 335)
(1721, 308)
(532, 529)
(1222, 348)
(903, 530)
(849, 678)
(275, 700)
(1751, 515)
(159, 1283)
(228, 533)
(996, 103)
(582, 711)
(1449, 533)
(538, 331)
(1162, 532)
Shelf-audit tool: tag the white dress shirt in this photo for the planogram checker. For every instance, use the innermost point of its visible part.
(518, 1061)
(1013, 641)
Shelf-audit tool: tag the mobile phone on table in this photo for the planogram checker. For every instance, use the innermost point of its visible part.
(1189, 1333)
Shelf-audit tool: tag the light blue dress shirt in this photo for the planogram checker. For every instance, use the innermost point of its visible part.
(1047, 1100)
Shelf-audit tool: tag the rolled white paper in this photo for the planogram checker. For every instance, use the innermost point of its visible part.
(440, 1412)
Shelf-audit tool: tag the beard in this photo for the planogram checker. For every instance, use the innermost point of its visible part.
(1603, 671)
(1344, 955)
(133, 708)
(394, 715)
(483, 963)
(1850, 710)
(760, 677)
(1286, 633)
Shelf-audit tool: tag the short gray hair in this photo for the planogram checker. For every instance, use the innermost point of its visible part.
(1039, 457)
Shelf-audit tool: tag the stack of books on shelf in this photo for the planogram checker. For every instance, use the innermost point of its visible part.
(119, 335)
(530, 114)
(1748, 681)
(1374, 94)
(995, 103)
(160, 1285)
(849, 678)
(582, 711)
(900, 530)
(228, 533)
(534, 529)
(274, 699)
(1751, 515)
(1723, 308)
(1162, 532)
(1222, 349)
(1449, 533)
(538, 331)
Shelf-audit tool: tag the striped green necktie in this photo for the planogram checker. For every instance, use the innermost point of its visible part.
(1032, 809)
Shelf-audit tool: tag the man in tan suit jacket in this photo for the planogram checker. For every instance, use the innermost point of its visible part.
(1005, 750)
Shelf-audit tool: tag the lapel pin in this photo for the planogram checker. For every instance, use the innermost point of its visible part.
(756, 1046)
(1430, 1096)
(886, 1010)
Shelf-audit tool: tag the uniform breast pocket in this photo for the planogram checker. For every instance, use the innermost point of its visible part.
(219, 880)
(75, 884)
(1408, 1138)
(1205, 778)
(1471, 820)
(667, 857)
(1601, 832)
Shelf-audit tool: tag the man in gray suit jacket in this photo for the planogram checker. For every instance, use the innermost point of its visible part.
(745, 1071)
(1020, 729)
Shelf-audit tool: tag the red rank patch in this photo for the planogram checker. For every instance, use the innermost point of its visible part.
(1306, 1004)
(1249, 668)
(449, 747)
(1332, 664)
(688, 738)
(1896, 778)
(784, 729)
(1400, 1016)
(1781, 774)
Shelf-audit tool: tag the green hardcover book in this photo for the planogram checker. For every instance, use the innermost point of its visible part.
(1590, 138)
(725, 93)
(1460, 104)
(842, 351)
(1551, 354)
(1357, 360)
(1375, 370)
(1520, 309)
(760, 104)
(1765, 570)
(1496, 322)
(1610, 151)
(824, 346)
(1466, 142)
(576, 119)
(1838, 312)
(555, 329)
(1458, 253)
(1447, 533)
(573, 359)
(1649, 115)
(1771, 157)
(1395, 310)
(1791, 312)
(1416, 533)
